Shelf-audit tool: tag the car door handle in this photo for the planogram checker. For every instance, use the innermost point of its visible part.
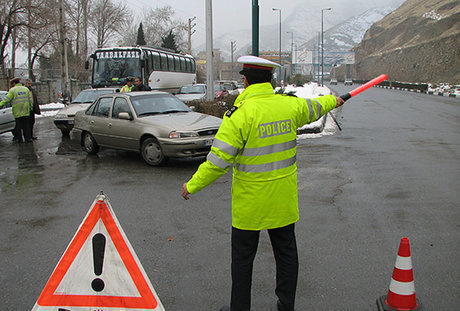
(92, 122)
(109, 125)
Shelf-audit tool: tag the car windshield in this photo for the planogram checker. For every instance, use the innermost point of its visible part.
(109, 69)
(145, 105)
(192, 89)
(228, 86)
(218, 87)
(88, 96)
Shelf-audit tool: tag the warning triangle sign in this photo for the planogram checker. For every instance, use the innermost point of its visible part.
(99, 269)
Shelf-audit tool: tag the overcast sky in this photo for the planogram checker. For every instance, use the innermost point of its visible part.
(232, 15)
(228, 15)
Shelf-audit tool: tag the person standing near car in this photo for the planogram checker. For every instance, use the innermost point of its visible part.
(258, 138)
(139, 86)
(35, 108)
(129, 85)
(21, 100)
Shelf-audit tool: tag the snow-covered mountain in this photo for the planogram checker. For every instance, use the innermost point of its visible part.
(346, 35)
(345, 23)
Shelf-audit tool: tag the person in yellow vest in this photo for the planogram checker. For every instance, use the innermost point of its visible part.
(129, 85)
(21, 100)
(258, 138)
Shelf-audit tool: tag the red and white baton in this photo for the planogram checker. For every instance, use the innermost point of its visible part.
(364, 87)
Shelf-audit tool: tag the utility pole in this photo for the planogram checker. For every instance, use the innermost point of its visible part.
(255, 27)
(85, 28)
(292, 52)
(322, 45)
(281, 65)
(13, 48)
(29, 40)
(190, 33)
(62, 41)
(232, 50)
(209, 53)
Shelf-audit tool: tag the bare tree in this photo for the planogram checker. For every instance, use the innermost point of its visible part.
(77, 10)
(157, 24)
(40, 30)
(12, 16)
(107, 19)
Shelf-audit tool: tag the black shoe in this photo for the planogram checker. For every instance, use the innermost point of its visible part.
(28, 140)
(225, 308)
(282, 307)
(34, 138)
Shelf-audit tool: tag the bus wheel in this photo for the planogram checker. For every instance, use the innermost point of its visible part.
(151, 152)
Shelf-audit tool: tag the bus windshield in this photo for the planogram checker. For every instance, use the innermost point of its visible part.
(114, 70)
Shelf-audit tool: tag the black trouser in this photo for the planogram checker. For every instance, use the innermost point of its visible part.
(23, 128)
(244, 248)
(32, 123)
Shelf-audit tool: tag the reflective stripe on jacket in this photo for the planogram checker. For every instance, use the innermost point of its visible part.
(21, 100)
(259, 140)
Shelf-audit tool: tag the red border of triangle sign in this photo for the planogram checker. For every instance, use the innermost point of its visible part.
(147, 299)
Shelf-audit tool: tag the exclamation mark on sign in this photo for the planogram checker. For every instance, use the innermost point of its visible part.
(98, 260)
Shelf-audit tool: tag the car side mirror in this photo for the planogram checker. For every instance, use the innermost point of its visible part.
(125, 116)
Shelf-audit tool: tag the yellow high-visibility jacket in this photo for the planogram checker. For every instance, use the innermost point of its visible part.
(127, 88)
(20, 98)
(258, 137)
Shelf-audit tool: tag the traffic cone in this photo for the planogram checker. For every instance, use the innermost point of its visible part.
(401, 294)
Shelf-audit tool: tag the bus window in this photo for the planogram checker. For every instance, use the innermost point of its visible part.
(189, 65)
(164, 62)
(177, 63)
(149, 60)
(182, 64)
(171, 63)
(156, 61)
(192, 61)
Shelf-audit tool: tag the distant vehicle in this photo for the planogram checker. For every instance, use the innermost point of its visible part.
(159, 68)
(348, 82)
(190, 92)
(64, 119)
(155, 124)
(219, 91)
(230, 86)
(333, 81)
(7, 121)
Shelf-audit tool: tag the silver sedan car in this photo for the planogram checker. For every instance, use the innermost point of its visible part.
(155, 124)
(7, 121)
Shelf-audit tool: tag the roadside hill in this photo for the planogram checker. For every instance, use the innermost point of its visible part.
(418, 42)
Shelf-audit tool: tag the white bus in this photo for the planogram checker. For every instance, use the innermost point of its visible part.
(161, 69)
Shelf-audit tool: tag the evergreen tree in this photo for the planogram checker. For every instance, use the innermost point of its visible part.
(140, 36)
(169, 42)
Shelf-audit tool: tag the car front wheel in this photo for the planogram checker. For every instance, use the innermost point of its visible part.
(89, 143)
(151, 152)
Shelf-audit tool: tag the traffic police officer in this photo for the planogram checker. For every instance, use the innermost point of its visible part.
(258, 138)
(129, 85)
(21, 100)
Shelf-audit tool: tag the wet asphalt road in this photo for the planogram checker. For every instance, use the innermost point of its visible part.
(392, 172)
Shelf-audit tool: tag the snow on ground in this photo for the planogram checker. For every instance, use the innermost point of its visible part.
(312, 90)
(444, 88)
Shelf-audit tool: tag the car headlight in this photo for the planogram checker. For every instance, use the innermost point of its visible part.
(60, 116)
(182, 134)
